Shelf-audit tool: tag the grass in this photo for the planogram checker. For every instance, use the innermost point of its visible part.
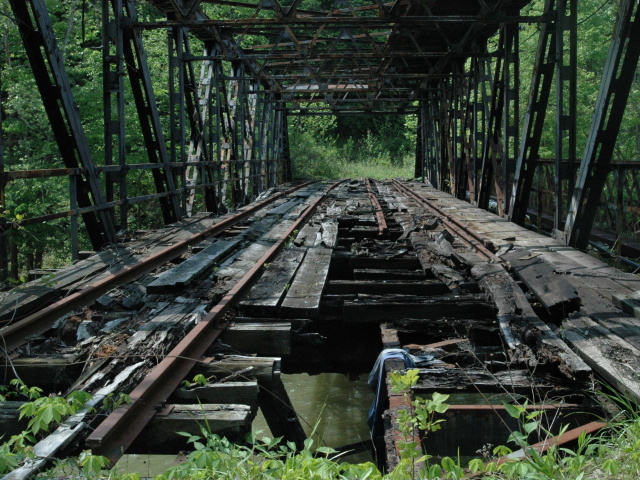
(323, 157)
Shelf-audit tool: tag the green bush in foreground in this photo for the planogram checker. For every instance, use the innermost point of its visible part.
(614, 455)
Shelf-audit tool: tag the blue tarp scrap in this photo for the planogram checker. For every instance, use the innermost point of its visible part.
(377, 375)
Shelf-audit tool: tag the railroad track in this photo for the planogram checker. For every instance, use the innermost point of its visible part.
(321, 281)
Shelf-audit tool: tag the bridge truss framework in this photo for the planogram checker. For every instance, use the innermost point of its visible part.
(453, 64)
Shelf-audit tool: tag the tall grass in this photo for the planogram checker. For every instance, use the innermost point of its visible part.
(317, 155)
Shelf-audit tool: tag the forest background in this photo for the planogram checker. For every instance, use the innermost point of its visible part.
(321, 147)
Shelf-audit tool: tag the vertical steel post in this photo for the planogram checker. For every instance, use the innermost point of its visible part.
(511, 115)
(619, 71)
(113, 81)
(566, 75)
(73, 203)
(534, 118)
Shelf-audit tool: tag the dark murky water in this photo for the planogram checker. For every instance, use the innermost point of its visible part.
(339, 405)
(346, 406)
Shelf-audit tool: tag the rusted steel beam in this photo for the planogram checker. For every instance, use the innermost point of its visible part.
(120, 429)
(382, 223)
(15, 334)
(340, 22)
(9, 176)
(557, 441)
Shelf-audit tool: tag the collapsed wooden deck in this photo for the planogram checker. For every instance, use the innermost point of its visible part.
(502, 309)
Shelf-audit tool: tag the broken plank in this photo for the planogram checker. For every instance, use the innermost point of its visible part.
(388, 308)
(554, 292)
(264, 369)
(615, 360)
(303, 296)
(240, 393)
(528, 338)
(382, 287)
(159, 436)
(362, 274)
(266, 294)
(188, 271)
(259, 338)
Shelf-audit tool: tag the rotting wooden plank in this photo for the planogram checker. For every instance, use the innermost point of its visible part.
(260, 338)
(553, 291)
(528, 338)
(188, 271)
(159, 436)
(329, 234)
(277, 231)
(448, 380)
(264, 369)
(266, 294)
(285, 207)
(447, 276)
(614, 359)
(240, 393)
(230, 275)
(381, 287)
(362, 274)
(303, 296)
(309, 236)
(392, 307)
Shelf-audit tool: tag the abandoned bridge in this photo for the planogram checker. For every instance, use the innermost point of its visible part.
(478, 265)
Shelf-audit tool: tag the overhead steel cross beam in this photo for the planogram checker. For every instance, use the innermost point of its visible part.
(340, 22)
(617, 79)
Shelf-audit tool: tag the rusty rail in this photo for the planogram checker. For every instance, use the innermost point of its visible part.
(468, 235)
(39, 322)
(121, 427)
(382, 223)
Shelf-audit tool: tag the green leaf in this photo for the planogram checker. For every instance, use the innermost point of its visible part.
(512, 410)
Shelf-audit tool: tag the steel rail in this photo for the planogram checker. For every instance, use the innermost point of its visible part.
(13, 336)
(382, 223)
(124, 424)
(472, 238)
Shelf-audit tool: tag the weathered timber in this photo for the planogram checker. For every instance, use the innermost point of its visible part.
(190, 270)
(303, 297)
(329, 234)
(614, 359)
(449, 277)
(522, 330)
(350, 261)
(259, 338)
(522, 382)
(285, 207)
(381, 287)
(363, 274)
(159, 436)
(47, 449)
(553, 291)
(52, 374)
(229, 276)
(309, 236)
(393, 307)
(10, 423)
(264, 369)
(267, 293)
(480, 331)
(240, 393)
(296, 323)
(279, 413)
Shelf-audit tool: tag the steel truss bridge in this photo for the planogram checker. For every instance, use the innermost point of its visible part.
(454, 64)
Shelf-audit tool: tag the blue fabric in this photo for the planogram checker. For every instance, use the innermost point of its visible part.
(377, 375)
